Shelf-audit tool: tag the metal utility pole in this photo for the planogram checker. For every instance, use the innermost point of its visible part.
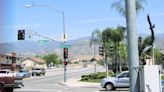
(133, 57)
(64, 32)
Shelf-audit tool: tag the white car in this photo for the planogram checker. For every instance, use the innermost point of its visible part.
(121, 81)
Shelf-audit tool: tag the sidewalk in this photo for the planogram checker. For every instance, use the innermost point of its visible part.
(73, 82)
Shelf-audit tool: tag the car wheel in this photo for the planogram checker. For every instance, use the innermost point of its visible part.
(109, 87)
(9, 89)
(1, 88)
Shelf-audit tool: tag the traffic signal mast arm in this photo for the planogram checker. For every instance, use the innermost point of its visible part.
(46, 37)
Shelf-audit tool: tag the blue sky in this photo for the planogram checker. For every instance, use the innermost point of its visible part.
(81, 18)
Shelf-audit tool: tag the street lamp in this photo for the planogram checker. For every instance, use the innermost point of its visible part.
(64, 34)
(56, 10)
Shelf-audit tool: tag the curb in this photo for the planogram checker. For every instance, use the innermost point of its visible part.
(72, 82)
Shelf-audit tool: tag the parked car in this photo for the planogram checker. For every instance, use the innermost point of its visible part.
(18, 81)
(121, 81)
(162, 85)
(6, 81)
(24, 73)
(38, 71)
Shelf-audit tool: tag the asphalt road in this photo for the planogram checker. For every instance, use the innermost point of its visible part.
(53, 80)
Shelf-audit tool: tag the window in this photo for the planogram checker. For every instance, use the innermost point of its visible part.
(124, 75)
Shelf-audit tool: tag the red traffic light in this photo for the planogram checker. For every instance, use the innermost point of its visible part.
(65, 50)
(65, 63)
(65, 53)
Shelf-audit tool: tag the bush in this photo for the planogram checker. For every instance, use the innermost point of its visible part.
(83, 76)
(162, 77)
(93, 76)
(96, 77)
(101, 76)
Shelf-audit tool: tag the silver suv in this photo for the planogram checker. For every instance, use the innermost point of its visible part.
(121, 81)
(38, 71)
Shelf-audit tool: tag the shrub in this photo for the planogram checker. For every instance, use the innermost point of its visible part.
(162, 77)
(85, 79)
(93, 76)
(84, 76)
(101, 76)
(96, 77)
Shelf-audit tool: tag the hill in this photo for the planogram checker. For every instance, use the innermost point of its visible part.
(79, 47)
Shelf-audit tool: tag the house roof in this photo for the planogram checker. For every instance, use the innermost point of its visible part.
(37, 60)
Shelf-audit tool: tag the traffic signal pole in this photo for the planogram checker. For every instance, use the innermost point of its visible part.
(65, 69)
(65, 56)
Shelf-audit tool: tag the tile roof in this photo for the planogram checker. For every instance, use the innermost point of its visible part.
(38, 60)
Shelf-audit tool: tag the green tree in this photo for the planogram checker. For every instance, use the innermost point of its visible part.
(147, 42)
(113, 37)
(107, 41)
(117, 37)
(95, 39)
(123, 54)
(158, 56)
(120, 6)
(52, 58)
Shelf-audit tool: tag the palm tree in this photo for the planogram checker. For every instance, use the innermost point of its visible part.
(122, 54)
(95, 39)
(120, 6)
(117, 37)
(113, 36)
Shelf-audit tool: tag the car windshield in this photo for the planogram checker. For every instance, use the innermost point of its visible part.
(21, 71)
(2, 71)
(36, 69)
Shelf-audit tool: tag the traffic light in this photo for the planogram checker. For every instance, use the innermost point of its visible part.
(163, 57)
(111, 48)
(101, 51)
(21, 34)
(65, 62)
(65, 51)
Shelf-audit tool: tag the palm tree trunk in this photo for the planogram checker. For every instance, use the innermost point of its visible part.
(119, 60)
(94, 50)
(94, 59)
(116, 57)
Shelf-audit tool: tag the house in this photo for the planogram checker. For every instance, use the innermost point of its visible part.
(8, 61)
(33, 62)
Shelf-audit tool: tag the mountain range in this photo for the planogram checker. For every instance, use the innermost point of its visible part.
(79, 46)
